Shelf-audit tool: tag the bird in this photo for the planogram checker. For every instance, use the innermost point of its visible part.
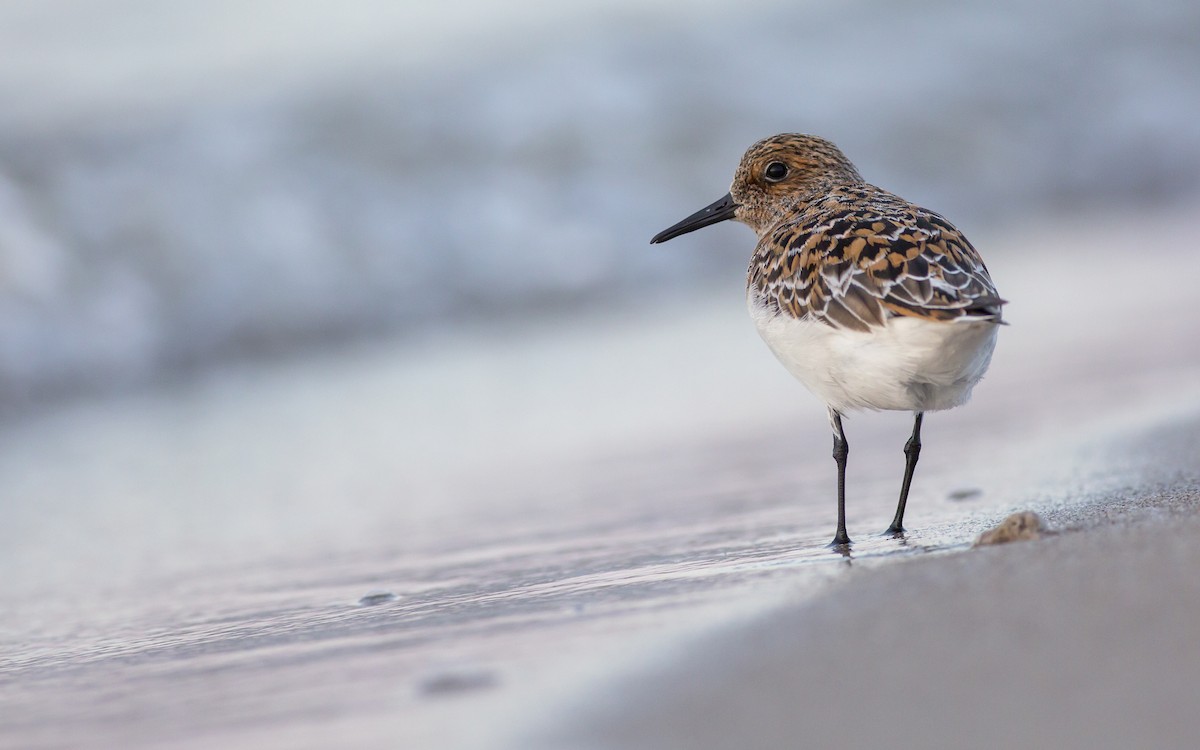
(872, 302)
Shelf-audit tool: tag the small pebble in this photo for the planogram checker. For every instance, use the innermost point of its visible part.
(447, 683)
(1019, 526)
(375, 597)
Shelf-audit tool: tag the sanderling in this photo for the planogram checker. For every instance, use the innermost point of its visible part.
(870, 301)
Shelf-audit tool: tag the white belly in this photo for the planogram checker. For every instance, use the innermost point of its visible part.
(907, 365)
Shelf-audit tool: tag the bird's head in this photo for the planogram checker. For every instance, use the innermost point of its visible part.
(775, 175)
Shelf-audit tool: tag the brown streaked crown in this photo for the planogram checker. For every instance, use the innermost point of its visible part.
(767, 192)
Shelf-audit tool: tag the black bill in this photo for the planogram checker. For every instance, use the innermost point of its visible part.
(719, 211)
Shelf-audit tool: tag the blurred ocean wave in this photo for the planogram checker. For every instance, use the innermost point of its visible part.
(389, 194)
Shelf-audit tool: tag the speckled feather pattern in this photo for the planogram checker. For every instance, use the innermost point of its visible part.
(853, 255)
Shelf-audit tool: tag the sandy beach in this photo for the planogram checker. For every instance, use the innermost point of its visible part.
(368, 577)
(1082, 639)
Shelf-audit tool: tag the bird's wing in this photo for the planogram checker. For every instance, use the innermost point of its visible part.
(857, 269)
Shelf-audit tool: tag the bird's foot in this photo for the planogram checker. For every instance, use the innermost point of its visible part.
(894, 532)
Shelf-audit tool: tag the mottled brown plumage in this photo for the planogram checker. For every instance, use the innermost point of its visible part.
(837, 249)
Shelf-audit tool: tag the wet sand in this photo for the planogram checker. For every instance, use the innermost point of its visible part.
(1084, 638)
(651, 522)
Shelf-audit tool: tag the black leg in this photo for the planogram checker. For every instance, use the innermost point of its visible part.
(912, 451)
(841, 449)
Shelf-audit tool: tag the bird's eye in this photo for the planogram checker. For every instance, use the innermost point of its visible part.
(775, 171)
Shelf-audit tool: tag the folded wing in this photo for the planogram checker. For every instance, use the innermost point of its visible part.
(860, 268)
